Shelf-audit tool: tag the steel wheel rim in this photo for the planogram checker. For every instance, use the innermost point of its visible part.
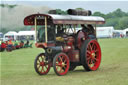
(62, 64)
(42, 65)
(93, 55)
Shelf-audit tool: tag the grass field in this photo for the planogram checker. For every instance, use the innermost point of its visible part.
(17, 67)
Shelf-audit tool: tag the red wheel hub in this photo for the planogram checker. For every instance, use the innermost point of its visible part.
(42, 63)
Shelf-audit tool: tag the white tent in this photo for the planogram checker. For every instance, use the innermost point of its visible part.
(1, 34)
(10, 35)
(126, 32)
(26, 34)
(104, 32)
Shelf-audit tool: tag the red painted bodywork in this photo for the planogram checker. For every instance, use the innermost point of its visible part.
(82, 36)
(44, 45)
(74, 56)
(29, 20)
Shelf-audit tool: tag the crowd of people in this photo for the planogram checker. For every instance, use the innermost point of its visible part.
(13, 45)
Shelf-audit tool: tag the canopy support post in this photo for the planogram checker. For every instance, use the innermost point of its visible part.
(35, 29)
(46, 35)
(74, 28)
(95, 32)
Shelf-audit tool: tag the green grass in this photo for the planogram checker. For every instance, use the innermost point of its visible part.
(17, 67)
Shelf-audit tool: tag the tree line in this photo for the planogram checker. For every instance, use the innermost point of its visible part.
(118, 18)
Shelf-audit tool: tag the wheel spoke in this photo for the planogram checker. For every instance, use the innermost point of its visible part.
(88, 61)
(42, 69)
(60, 69)
(38, 63)
(58, 64)
(38, 67)
(91, 62)
(61, 58)
(57, 67)
(90, 47)
(65, 65)
(96, 59)
(93, 46)
(96, 50)
(39, 60)
(88, 58)
(65, 61)
(42, 58)
(57, 60)
(88, 52)
(46, 67)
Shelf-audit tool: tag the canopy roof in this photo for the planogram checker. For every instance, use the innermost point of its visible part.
(62, 19)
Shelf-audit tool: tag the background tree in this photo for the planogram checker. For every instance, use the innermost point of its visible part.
(123, 23)
(99, 14)
(118, 19)
(80, 9)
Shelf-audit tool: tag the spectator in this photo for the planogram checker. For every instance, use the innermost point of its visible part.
(21, 44)
(10, 44)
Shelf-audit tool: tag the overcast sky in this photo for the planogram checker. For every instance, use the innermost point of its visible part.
(94, 5)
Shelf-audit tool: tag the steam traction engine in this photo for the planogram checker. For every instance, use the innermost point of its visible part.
(65, 46)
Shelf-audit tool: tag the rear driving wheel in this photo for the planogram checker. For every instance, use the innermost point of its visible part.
(91, 55)
(41, 64)
(61, 64)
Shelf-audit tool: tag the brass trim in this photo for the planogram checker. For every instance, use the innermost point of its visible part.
(49, 50)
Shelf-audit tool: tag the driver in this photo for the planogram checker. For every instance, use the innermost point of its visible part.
(84, 28)
(91, 32)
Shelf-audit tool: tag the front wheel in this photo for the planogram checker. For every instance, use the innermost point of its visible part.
(61, 64)
(91, 55)
(41, 64)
